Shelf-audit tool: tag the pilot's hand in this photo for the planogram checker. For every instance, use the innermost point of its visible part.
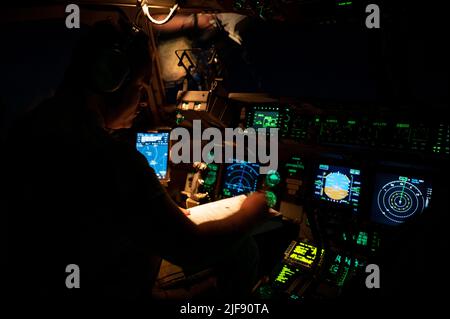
(185, 211)
(255, 205)
(204, 21)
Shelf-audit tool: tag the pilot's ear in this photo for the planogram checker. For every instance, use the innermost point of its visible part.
(109, 70)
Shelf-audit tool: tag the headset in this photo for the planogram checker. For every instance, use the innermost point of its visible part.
(111, 64)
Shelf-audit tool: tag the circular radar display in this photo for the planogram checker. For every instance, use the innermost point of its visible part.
(337, 186)
(398, 200)
(240, 178)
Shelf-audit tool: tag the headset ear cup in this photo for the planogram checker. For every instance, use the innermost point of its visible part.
(109, 71)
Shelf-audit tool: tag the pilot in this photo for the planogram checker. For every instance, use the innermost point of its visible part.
(76, 195)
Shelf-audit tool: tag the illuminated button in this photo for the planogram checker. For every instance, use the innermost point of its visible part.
(272, 178)
(271, 199)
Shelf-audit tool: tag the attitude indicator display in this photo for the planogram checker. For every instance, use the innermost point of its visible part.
(337, 184)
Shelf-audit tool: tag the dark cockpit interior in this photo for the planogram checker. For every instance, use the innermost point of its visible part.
(335, 110)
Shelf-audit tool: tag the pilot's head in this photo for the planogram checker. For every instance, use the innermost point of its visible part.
(112, 63)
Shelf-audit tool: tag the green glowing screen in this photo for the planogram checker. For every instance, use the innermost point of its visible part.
(285, 274)
(304, 254)
(265, 119)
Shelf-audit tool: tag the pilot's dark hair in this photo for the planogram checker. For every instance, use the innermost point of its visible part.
(108, 55)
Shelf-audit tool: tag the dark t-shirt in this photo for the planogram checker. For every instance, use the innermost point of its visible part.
(78, 196)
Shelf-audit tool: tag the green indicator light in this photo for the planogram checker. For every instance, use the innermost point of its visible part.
(402, 125)
(362, 239)
(348, 261)
(351, 122)
(265, 292)
(343, 277)
(344, 4)
(301, 166)
(272, 178)
(210, 178)
(210, 156)
(317, 119)
(265, 119)
(334, 269)
(375, 242)
(332, 121)
(271, 198)
(179, 118)
(285, 274)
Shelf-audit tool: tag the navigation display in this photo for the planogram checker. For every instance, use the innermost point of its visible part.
(155, 148)
(398, 198)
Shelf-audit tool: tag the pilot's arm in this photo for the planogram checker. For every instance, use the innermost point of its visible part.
(171, 234)
(181, 239)
(185, 22)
